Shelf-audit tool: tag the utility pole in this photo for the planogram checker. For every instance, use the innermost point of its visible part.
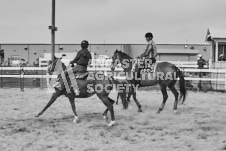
(53, 29)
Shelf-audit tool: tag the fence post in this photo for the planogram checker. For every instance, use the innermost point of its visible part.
(21, 78)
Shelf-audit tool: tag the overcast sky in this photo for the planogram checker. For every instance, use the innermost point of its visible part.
(110, 21)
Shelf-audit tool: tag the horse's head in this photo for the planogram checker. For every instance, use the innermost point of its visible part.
(56, 65)
(120, 57)
(115, 59)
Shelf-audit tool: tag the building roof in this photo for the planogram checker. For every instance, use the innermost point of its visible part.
(215, 33)
(179, 51)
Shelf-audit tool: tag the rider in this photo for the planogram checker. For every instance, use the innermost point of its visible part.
(150, 51)
(82, 59)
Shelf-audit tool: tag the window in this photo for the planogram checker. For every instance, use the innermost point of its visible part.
(15, 59)
(222, 53)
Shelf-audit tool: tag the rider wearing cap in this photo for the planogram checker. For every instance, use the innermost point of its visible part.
(82, 59)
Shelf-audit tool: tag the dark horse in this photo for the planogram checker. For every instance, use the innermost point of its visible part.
(84, 85)
(165, 74)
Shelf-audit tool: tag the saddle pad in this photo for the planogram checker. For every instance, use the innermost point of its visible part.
(67, 80)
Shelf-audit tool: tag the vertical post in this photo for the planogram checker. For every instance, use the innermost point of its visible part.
(211, 56)
(216, 52)
(21, 78)
(53, 29)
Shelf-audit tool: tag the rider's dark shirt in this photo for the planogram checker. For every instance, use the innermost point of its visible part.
(83, 58)
(201, 62)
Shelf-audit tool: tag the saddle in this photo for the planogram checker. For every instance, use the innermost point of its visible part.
(81, 75)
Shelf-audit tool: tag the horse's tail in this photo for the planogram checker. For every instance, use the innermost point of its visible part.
(121, 94)
(183, 92)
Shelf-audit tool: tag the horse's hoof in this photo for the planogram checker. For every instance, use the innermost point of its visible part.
(112, 123)
(106, 118)
(76, 120)
(158, 112)
(140, 110)
(37, 115)
(175, 112)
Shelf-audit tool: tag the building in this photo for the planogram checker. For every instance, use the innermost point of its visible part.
(166, 52)
(217, 39)
(172, 52)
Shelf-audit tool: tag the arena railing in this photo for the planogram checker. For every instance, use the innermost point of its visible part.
(21, 74)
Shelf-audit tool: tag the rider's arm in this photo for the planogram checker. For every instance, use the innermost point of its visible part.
(147, 52)
(76, 58)
(90, 59)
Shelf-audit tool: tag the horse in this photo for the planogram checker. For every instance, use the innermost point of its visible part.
(165, 69)
(87, 87)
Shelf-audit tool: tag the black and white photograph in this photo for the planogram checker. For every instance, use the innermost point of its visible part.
(112, 75)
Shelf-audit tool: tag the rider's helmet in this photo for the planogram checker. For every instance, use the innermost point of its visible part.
(84, 44)
(148, 35)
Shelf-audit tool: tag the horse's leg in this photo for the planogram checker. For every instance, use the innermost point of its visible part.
(165, 96)
(106, 111)
(72, 101)
(109, 103)
(176, 94)
(55, 95)
(117, 98)
(105, 114)
(130, 93)
(112, 112)
(135, 99)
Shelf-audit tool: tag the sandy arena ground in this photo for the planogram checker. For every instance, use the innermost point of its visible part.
(200, 124)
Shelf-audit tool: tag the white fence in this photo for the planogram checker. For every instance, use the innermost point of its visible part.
(221, 79)
(106, 63)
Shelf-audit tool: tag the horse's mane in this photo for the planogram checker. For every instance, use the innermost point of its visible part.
(124, 55)
(63, 65)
